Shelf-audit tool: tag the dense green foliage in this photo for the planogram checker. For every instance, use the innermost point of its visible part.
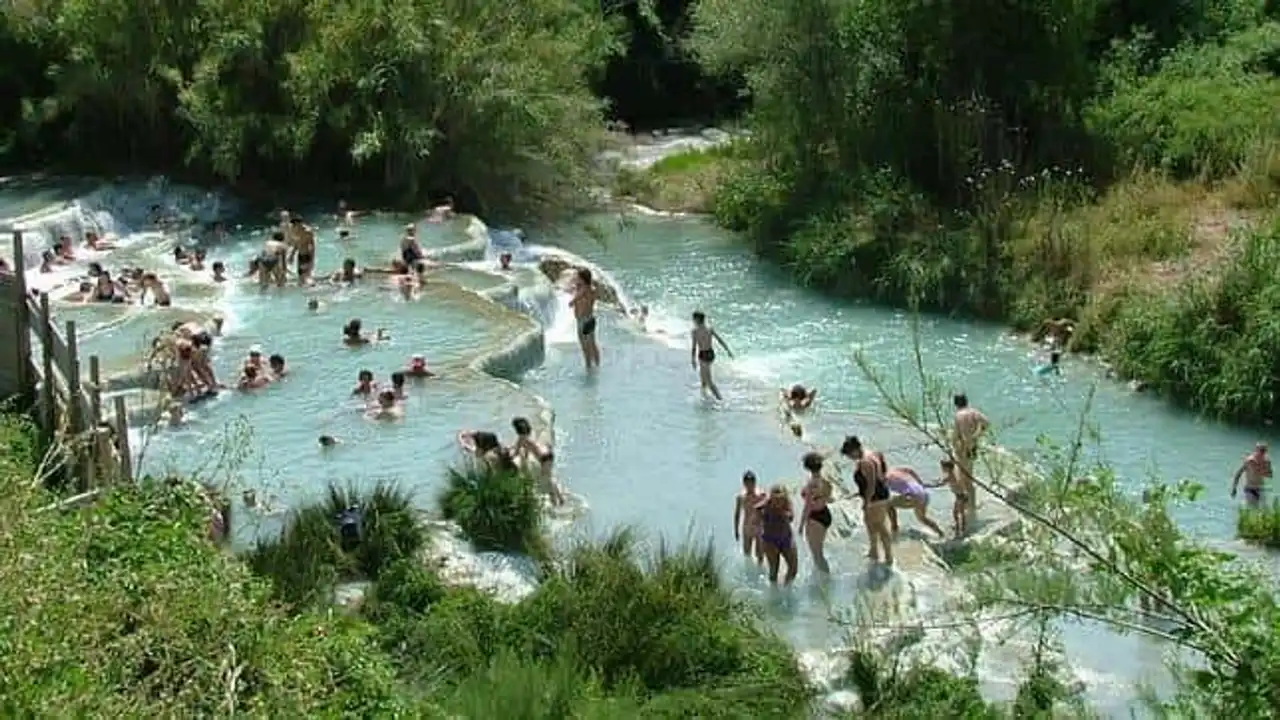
(1260, 525)
(919, 151)
(1213, 340)
(491, 103)
(496, 509)
(308, 559)
(1090, 548)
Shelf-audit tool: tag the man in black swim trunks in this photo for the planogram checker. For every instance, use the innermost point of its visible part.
(584, 311)
(703, 352)
(302, 244)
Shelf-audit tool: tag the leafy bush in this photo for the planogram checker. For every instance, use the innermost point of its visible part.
(310, 557)
(639, 628)
(1214, 341)
(1203, 113)
(1260, 525)
(496, 509)
(125, 609)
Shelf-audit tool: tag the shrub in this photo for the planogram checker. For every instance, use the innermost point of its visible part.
(1213, 342)
(125, 609)
(1260, 525)
(310, 556)
(1203, 113)
(496, 509)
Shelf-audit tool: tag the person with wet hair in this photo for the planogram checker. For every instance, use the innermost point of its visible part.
(868, 476)
(815, 519)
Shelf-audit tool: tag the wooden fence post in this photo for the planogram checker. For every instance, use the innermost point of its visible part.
(122, 439)
(76, 410)
(49, 391)
(25, 379)
(99, 462)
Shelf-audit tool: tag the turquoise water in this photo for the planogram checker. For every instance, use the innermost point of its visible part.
(634, 442)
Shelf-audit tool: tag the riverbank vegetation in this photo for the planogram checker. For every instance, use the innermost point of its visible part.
(1106, 551)
(1260, 525)
(503, 107)
(1102, 164)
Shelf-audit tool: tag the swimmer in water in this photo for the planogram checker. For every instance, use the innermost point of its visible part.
(441, 212)
(348, 274)
(702, 352)
(418, 368)
(815, 519)
(487, 449)
(504, 261)
(219, 271)
(276, 365)
(313, 304)
(1053, 367)
(960, 509)
(158, 291)
(346, 216)
(909, 493)
(775, 533)
(353, 337)
(397, 384)
(365, 386)
(254, 357)
(328, 441)
(641, 316)
(387, 408)
(197, 260)
(410, 250)
(746, 517)
(798, 398)
(1256, 470)
(83, 293)
(584, 312)
(251, 378)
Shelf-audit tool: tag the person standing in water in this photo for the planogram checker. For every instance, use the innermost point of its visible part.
(775, 533)
(815, 520)
(1256, 469)
(746, 517)
(584, 311)
(868, 475)
(302, 245)
(702, 352)
(970, 425)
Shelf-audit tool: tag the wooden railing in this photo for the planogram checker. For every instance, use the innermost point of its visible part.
(69, 410)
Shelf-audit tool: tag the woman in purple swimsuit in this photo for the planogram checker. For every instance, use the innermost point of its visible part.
(775, 533)
(908, 492)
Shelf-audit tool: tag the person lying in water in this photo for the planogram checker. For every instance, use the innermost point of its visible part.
(93, 242)
(352, 335)
(798, 398)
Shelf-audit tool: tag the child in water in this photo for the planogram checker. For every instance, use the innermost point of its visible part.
(746, 517)
(959, 511)
(702, 352)
(1054, 367)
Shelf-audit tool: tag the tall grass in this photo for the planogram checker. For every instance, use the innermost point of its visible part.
(496, 509)
(1212, 340)
(633, 624)
(1260, 525)
(309, 557)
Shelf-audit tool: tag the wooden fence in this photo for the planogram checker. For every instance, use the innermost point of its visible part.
(67, 400)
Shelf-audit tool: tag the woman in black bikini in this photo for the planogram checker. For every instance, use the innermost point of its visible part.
(816, 518)
(775, 533)
(869, 474)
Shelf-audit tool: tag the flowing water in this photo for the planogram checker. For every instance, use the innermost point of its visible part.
(635, 442)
